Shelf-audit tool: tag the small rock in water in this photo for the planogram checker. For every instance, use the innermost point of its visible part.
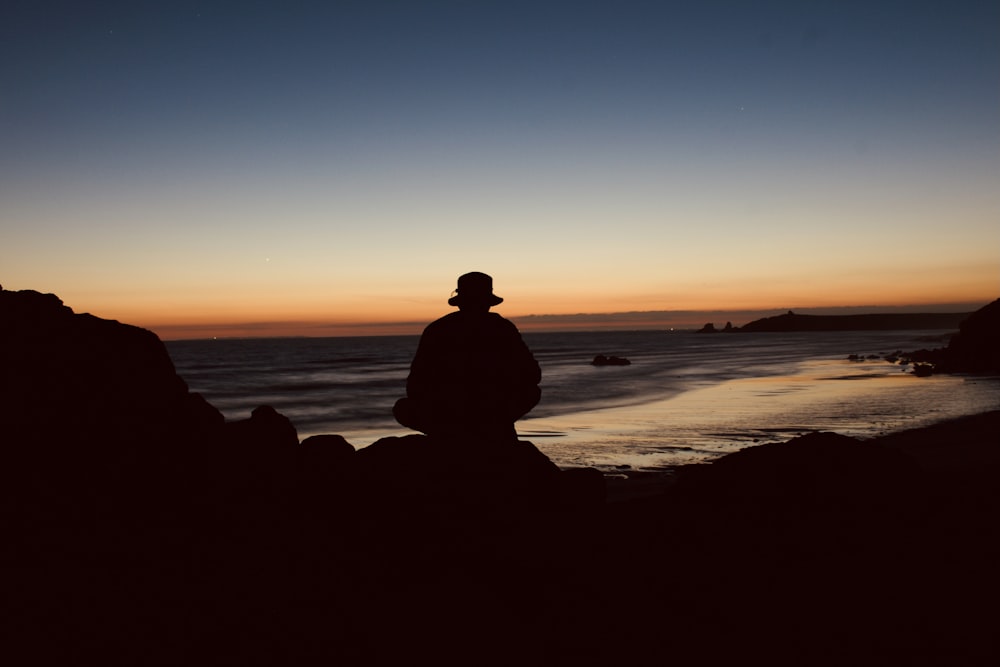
(602, 360)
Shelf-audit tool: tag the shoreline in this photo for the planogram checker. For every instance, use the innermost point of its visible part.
(863, 400)
(651, 439)
(309, 378)
(954, 443)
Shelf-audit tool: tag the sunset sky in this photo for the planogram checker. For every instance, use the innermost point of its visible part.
(266, 168)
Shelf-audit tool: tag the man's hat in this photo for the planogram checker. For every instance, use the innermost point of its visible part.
(474, 288)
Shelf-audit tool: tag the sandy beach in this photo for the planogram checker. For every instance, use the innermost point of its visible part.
(955, 444)
(864, 400)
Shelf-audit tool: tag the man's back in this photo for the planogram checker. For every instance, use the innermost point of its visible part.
(466, 351)
(472, 370)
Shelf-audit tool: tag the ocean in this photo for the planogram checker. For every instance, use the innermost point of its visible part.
(685, 397)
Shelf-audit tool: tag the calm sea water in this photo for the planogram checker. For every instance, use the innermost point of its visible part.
(685, 397)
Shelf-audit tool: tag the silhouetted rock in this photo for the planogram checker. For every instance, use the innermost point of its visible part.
(582, 487)
(417, 468)
(336, 445)
(87, 382)
(322, 473)
(810, 470)
(327, 451)
(975, 348)
(977, 345)
(710, 328)
(612, 360)
(266, 428)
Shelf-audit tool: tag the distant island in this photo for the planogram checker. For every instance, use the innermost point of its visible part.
(871, 322)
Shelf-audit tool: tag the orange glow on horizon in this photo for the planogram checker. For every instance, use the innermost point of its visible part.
(395, 307)
(568, 320)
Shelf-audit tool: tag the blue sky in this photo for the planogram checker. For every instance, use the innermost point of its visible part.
(342, 162)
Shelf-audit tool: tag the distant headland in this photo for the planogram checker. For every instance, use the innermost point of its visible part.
(791, 321)
(684, 320)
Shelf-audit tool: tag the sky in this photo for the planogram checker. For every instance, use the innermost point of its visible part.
(324, 168)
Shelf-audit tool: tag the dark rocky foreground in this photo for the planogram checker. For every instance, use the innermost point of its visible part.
(975, 348)
(141, 528)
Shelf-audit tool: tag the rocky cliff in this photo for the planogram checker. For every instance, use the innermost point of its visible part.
(974, 349)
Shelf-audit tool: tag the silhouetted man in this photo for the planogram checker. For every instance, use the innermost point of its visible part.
(472, 374)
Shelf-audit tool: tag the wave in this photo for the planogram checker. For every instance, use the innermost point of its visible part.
(348, 386)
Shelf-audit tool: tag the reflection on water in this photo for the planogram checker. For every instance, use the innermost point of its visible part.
(862, 400)
(686, 397)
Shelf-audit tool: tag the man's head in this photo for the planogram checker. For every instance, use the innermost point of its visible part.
(475, 290)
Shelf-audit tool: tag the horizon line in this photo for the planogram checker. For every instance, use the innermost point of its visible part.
(681, 320)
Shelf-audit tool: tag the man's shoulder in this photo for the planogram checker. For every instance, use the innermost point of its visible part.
(501, 321)
(444, 320)
(459, 320)
(443, 323)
